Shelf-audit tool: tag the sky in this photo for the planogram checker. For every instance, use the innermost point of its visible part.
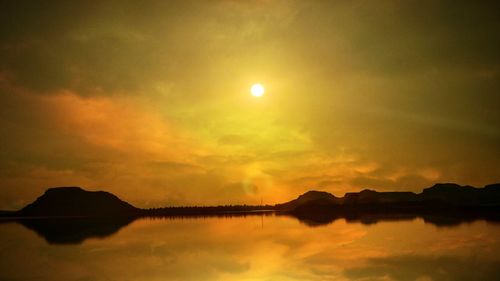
(150, 100)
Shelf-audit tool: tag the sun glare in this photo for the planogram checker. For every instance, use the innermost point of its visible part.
(257, 90)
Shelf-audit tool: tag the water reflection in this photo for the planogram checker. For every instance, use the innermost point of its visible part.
(77, 230)
(410, 268)
(448, 219)
(255, 247)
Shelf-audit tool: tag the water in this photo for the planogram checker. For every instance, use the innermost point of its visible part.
(249, 248)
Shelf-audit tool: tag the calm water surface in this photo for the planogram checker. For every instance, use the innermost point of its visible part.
(250, 248)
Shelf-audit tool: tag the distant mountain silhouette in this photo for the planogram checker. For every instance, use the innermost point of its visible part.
(317, 198)
(74, 201)
(441, 195)
(71, 214)
(368, 196)
(444, 204)
(463, 195)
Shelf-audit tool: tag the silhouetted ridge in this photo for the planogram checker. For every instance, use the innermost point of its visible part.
(441, 195)
(74, 201)
(455, 194)
(71, 214)
(493, 187)
(368, 196)
(448, 187)
(313, 197)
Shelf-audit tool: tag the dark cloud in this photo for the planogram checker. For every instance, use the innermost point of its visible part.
(392, 38)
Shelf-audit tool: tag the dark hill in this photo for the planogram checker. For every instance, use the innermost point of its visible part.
(368, 196)
(310, 198)
(441, 195)
(74, 201)
(462, 195)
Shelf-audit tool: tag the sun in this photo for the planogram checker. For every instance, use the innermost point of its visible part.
(257, 90)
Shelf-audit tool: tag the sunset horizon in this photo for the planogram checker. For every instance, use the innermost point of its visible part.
(262, 202)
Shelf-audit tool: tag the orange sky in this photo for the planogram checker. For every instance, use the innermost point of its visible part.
(151, 101)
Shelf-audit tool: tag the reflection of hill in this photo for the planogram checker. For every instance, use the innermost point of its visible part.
(440, 218)
(71, 214)
(442, 204)
(77, 230)
(74, 230)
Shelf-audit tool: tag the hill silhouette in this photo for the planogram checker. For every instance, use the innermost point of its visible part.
(74, 201)
(72, 214)
(77, 202)
(313, 197)
(443, 204)
(463, 195)
(441, 195)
